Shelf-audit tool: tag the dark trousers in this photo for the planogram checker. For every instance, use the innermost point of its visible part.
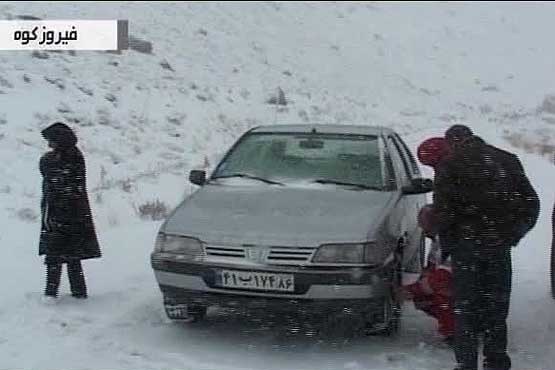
(76, 279)
(482, 290)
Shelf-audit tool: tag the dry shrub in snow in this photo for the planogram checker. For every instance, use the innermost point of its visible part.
(85, 90)
(40, 54)
(142, 46)
(98, 198)
(80, 121)
(490, 88)
(5, 83)
(127, 185)
(485, 109)
(164, 64)
(58, 82)
(278, 99)
(111, 98)
(548, 104)
(105, 118)
(27, 17)
(176, 118)
(154, 210)
(27, 214)
(543, 147)
(303, 115)
(64, 108)
(113, 219)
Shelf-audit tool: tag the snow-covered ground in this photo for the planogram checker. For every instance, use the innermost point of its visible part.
(414, 67)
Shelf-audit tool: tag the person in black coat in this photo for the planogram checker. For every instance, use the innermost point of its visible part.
(487, 204)
(67, 233)
(481, 183)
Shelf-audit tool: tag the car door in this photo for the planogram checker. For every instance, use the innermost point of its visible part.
(408, 206)
(418, 201)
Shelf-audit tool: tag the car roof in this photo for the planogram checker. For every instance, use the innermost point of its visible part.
(325, 129)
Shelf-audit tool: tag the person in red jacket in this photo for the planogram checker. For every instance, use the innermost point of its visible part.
(432, 292)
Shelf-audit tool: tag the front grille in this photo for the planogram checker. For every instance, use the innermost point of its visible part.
(225, 251)
(290, 255)
(271, 255)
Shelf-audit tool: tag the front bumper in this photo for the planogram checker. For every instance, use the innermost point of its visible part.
(196, 282)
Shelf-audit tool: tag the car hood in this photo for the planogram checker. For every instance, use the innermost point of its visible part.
(276, 215)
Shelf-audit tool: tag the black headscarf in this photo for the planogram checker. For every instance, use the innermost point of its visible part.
(61, 135)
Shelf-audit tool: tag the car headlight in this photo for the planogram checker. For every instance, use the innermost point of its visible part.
(359, 253)
(179, 245)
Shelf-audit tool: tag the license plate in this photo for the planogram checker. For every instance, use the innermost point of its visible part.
(257, 280)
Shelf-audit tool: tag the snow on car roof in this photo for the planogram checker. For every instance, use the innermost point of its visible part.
(326, 129)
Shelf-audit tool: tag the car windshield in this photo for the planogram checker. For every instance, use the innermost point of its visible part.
(334, 159)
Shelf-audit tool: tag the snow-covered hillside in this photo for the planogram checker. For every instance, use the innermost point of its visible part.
(145, 119)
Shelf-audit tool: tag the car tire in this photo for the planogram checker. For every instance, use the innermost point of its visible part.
(340, 325)
(196, 312)
(394, 302)
(418, 261)
(392, 306)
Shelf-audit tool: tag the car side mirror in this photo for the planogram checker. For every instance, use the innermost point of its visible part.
(197, 177)
(418, 186)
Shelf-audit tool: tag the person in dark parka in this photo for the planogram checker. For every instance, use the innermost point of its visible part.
(487, 203)
(67, 234)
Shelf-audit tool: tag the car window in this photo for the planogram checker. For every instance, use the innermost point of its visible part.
(390, 180)
(399, 163)
(408, 171)
(307, 157)
(409, 158)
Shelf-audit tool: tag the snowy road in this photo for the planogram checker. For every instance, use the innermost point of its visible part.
(122, 325)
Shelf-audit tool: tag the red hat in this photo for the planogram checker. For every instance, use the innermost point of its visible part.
(427, 219)
(432, 150)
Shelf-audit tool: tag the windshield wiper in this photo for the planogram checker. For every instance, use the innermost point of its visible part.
(246, 175)
(344, 183)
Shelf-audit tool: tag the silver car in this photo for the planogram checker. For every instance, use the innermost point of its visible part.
(319, 217)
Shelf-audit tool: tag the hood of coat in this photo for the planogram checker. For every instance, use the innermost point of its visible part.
(61, 135)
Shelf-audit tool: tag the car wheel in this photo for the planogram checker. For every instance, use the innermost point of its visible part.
(418, 260)
(340, 325)
(394, 302)
(196, 312)
(392, 307)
